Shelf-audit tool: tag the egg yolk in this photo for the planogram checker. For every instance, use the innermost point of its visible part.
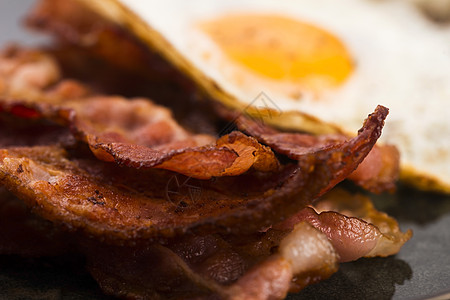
(282, 49)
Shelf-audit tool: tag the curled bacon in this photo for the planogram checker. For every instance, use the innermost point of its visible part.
(135, 133)
(130, 133)
(50, 180)
(72, 23)
(353, 226)
(377, 173)
(212, 266)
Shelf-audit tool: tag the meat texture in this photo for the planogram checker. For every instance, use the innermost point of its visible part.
(135, 133)
(142, 135)
(377, 173)
(194, 238)
(264, 265)
(162, 212)
(75, 24)
(104, 199)
(212, 267)
(352, 225)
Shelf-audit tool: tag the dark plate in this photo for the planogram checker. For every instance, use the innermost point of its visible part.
(420, 271)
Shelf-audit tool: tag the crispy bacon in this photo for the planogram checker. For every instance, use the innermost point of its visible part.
(80, 193)
(139, 139)
(135, 133)
(55, 183)
(235, 267)
(352, 225)
(191, 266)
(358, 206)
(140, 134)
(191, 210)
(211, 266)
(130, 132)
(377, 173)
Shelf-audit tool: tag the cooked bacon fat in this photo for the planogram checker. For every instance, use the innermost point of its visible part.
(390, 239)
(352, 225)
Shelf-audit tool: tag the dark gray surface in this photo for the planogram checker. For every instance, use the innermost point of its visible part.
(420, 270)
(11, 13)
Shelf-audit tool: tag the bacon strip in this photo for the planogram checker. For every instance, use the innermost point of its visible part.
(203, 266)
(353, 226)
(193, 265)
(211, 266)
(107, 201)
(135, 133)
(50, 180)
(210, 219)
(357, 206)
(118, 128)
(377, 173)
(116, 203)
(197, 266)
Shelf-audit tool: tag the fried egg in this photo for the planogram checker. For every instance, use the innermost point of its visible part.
(321, 65)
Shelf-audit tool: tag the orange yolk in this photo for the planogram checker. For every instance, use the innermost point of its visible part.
(282, 49)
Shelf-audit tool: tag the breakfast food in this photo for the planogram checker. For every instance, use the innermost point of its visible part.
(206, 201)
(322, 72)
(230, 236)
(126, 130)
